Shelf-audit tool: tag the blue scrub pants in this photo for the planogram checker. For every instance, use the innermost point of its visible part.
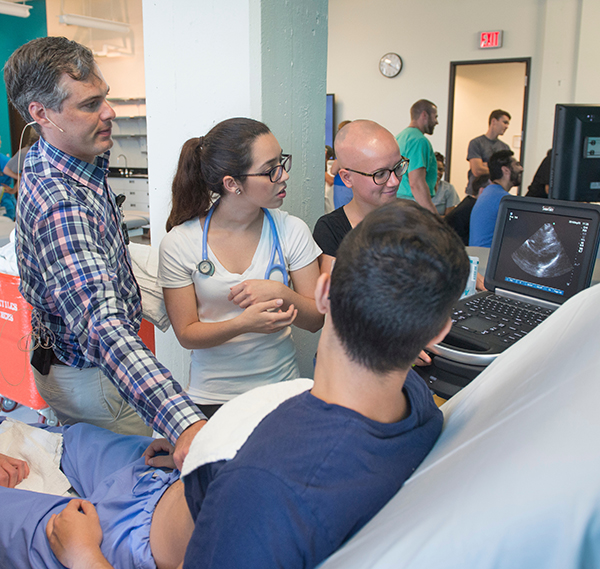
(104, 468)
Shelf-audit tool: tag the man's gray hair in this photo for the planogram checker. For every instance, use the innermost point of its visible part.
(34, 71)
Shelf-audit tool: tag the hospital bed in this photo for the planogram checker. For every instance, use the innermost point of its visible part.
(514, 479)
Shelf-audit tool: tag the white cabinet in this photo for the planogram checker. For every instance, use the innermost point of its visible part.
(135, 191)
(129, 134)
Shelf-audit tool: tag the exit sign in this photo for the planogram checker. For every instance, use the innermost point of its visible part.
(490, 39)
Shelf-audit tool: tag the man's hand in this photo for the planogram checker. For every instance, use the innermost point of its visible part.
(480, 283)
(153, 458)
(423, 359)
(12, 471)
(75, 536)
(182, 446)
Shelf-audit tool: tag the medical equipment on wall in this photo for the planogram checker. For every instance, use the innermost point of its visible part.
(207, 267)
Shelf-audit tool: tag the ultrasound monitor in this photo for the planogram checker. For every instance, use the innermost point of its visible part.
(543, 248)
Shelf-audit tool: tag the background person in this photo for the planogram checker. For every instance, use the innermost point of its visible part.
(419, 183)
(342, 194)
(540, 185)
(73, 261)
(8, 199)
(460, 217)
(14, 166)
(505, 172)
(446, 198)
(329, 179)
(236, 315)
(482, 147)
(371, 167)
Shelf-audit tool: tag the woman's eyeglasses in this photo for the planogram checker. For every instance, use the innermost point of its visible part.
(276, 172)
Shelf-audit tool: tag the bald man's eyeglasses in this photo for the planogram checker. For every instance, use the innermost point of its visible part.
(382, 176)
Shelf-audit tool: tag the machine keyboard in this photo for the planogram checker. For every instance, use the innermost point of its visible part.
(499, 316)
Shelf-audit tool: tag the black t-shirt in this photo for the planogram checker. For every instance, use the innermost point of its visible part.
(330, 229)
(540, 180)
(460, 218)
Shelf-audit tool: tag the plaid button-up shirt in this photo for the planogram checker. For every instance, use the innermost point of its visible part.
(76, 273)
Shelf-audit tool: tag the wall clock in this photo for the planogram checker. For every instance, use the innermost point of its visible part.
(390, 65)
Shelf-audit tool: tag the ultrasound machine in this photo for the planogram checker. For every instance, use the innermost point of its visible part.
(542, 254)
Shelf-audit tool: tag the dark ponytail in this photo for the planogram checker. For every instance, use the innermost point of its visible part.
(225, 151)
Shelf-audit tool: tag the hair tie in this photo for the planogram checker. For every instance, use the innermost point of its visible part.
(200, 143)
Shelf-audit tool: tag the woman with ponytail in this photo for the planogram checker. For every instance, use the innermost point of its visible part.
(221, 267)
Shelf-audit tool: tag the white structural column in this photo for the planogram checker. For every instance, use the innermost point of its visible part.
(207, 61)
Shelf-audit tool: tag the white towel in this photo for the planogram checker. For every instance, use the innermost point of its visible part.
(8, 257)
(42, 450)
(232, 424)
(145, 268)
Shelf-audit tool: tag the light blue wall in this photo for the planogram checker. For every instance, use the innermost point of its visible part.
(294, 71)
(14, 32)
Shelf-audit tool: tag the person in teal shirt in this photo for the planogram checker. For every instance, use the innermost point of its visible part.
(419, 184)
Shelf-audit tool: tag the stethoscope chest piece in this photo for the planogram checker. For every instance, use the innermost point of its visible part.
(206, 268)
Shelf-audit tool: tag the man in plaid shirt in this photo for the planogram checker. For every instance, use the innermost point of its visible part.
(73, 261)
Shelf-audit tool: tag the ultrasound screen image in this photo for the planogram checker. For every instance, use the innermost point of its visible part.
(542, 251)
(543, 255)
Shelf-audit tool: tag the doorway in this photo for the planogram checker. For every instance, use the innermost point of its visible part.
(476, 89)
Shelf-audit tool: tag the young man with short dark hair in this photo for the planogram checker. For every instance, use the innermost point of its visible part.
(304, 465)
(482, 147)
(505, 172)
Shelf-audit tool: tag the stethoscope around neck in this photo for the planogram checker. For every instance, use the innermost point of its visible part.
(207, 267)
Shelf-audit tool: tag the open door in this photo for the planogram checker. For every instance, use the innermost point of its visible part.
(476, 89)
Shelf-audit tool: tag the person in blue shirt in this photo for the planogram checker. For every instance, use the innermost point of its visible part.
(8, 199)
(505, 172)
(301, 466)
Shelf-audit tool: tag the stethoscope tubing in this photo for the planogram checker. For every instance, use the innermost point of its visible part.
(207, 267)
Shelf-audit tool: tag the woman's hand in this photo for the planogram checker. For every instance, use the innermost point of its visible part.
(254, 291)
(267, 317)
(12, 471)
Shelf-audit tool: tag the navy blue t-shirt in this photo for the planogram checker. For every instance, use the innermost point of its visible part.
(307, 479)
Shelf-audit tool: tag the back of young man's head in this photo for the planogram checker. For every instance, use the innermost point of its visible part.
(396, 277)
(497, 160)
(34, 72)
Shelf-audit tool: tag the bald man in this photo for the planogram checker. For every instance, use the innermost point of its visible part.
(372, 167)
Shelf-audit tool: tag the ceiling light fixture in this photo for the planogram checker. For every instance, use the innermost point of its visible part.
(13, 9)
(89, 22)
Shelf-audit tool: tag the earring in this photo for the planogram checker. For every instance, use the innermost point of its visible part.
(238, 191)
